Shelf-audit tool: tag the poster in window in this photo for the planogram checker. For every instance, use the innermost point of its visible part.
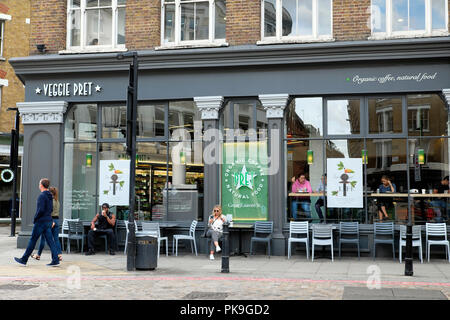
(114, 182)
(344, 183)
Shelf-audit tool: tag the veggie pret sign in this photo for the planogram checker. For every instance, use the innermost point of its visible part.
(345, 183)
(114, 182)
(244, 181)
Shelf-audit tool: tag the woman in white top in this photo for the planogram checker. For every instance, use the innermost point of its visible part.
(215, 226)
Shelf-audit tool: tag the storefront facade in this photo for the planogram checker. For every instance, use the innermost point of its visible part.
(382, 100)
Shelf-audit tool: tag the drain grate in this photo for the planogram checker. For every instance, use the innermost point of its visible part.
(195, 295)
(11, 286)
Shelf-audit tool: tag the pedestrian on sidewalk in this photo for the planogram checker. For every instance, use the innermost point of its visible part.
(42, 225)
(215, 232)
(55, 227)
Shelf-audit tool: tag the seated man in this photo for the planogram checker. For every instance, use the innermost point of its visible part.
(105, 225)
(439, 205)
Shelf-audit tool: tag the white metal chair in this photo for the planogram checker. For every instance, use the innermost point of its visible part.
(437, 230)
(298, 228)
(126, 238)
(190, 237)
(64, 234)
(152, 228)
(416, 240)
(349, 233)
(262, 227)
(383, 233)
(322, 236)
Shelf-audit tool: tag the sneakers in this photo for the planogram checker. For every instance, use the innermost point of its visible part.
(211, 257)
(19, 260)
(218, 249)
(53, 264)
(90, 253)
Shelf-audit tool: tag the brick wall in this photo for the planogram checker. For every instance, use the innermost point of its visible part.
(350, 19)
(16, 44)
(48, 18)
(143, 24)
(243, 24)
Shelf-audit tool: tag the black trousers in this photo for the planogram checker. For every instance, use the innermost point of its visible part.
(92, 235)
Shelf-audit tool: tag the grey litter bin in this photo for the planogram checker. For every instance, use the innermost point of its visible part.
(146, 252)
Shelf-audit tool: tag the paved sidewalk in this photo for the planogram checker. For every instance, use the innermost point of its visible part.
(191, 277)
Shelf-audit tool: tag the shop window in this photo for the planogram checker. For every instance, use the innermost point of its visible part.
(385, 115)
(297, 20)
(427, 115)
(304, 118)
(96, 24)
(184, 119)
(81, 123)
(392, 18)
(418, 118)
(114, 121)
(151, 120)
(193, 22)
(343, 116)
(243, 119)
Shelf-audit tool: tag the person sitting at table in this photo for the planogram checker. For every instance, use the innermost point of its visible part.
(440, 204)
(301, 185)
(105, 224)
(383, 203)
(320, 202)
(215, 229)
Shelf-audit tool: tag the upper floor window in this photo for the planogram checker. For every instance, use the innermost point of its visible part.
(187, 22)
(297, 19)
(95, 24)
(396, 18)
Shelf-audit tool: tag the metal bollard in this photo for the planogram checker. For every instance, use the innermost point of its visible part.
(225, 249)
(408, 257)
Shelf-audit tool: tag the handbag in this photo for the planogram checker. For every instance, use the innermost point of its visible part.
(204, 235)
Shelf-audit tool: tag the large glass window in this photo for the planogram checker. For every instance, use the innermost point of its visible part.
(304, 118)
(409, 17)
(297, 19)
(95, 24)
(81, 123)
(343, 116)
(193, 21)
(243, 119)
(385, 115)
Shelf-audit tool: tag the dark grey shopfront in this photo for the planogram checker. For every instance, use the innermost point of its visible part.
(203, 85)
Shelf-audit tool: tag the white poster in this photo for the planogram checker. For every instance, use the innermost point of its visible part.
(345, 183)
(114, 182)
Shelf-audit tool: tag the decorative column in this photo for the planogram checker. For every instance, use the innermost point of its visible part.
(210, 107)
(43, 124)
(274, 104)
(446, 94)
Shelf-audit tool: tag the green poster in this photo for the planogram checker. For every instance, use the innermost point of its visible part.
(244, 181)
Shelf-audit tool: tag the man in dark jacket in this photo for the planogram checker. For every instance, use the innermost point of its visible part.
(43, 224)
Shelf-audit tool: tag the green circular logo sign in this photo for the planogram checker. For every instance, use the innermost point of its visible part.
(7, 175)
(237, 177)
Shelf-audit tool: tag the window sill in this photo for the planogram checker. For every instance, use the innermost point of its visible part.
(192, 45)
(92, 50)
(288, 41)
(407, 36)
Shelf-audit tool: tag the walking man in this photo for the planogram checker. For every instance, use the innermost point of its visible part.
(43, 224)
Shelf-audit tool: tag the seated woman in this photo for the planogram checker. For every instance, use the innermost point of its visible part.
(301, 185)
(215, 226)
(383, 202)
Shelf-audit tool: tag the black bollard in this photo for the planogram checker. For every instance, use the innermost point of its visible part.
(408, 258)
(225, 249)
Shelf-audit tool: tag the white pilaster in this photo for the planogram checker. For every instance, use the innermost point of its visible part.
(209, 106)
(274, 104)
(42, 112)
(446, 93)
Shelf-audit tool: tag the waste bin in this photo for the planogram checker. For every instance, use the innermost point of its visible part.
(146, 251)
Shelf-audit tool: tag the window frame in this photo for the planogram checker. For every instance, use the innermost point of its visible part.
(279, 25)
(390, 33)
(177, 26)
(114, 46)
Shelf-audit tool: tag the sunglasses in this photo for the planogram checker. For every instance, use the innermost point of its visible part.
(216, 210)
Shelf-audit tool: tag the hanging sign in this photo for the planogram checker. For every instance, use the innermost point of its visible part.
(345, 183)
(244, 181)
(114, 182)
(7, 175)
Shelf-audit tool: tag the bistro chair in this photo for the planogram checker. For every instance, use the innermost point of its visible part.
(190, 237)
(126, 238)
(76, 232)
(349, 233)
(152, 228)
(298, 228)
(64, 234)
(416, 240)
(262, 228)
(437, 230)
(322, 236)
(383, 233)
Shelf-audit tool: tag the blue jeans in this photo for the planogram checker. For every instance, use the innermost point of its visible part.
(44, 229)
(439, 208)
(306, 207)
(55, 233)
